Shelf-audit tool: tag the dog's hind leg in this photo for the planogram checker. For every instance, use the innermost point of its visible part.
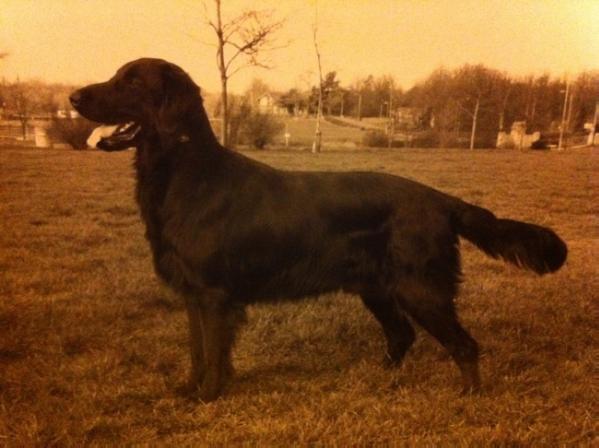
(399, 333)
(435, 312)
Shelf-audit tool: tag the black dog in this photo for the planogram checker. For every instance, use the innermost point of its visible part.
(226, 231)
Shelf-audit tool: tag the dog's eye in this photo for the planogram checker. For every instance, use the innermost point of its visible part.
(136, 82)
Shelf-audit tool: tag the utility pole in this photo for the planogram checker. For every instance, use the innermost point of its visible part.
(564, 112)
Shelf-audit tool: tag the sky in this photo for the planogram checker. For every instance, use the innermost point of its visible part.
(82, 41)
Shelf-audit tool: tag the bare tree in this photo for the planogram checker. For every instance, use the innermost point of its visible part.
(475, 85)
(504, 90)
(240, 43)
(316, 145)
(24, 99)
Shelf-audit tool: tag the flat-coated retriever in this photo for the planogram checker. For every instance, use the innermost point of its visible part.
(226, 231)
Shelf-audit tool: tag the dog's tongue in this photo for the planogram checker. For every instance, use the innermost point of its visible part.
(114, 137)
(101, 132)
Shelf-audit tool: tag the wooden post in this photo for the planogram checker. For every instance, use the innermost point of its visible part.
(474, 120)
(564, 112)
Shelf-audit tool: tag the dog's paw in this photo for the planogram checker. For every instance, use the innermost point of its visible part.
(471, 390)
(189, 390)
(391, 362)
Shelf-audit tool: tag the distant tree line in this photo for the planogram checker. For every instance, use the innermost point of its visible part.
(459, 107)
(472, 101)
(25, 100)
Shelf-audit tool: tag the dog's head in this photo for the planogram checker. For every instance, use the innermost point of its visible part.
(144, 95)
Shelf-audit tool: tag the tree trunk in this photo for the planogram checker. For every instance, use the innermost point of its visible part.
(474, 120)
(570, 107)
(533, 111)
(360, 107)
(564, 111)
(502, 114)
(316, 146)
(23, 119)
(503, 109)
(224, 131)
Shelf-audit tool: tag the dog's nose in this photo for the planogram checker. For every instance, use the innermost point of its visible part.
(75, 98)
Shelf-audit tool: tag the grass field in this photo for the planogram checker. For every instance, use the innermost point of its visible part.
(301, 133)
(92, 346)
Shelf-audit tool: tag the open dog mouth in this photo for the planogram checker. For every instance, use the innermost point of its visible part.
(114, 137)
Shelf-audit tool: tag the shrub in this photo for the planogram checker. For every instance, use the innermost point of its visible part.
(240, 110)
(260, 129)
(375, 139)
(425, 139)
(73, 131)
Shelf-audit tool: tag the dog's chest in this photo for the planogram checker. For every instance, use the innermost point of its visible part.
(181, 239)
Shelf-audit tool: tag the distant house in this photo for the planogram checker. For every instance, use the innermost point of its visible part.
(412, 118)
(270, 104)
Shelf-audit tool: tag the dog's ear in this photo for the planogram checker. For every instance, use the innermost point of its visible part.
(179, 96)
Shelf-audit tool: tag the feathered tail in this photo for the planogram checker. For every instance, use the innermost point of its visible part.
(525, 245)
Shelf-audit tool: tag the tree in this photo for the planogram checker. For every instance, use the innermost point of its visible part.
(256, 90)
(3, 54)
(437, 93)
(358, 90)
(294, 101)
(504, 90)
(23, 99)
(586, 94)
(330, 91)
(247, 36)
(475, 86)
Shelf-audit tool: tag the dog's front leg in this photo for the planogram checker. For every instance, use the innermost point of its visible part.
(196, 344)
(218, 334)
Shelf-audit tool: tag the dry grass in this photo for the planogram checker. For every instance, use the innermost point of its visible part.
(301, 131)
(92, 346)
